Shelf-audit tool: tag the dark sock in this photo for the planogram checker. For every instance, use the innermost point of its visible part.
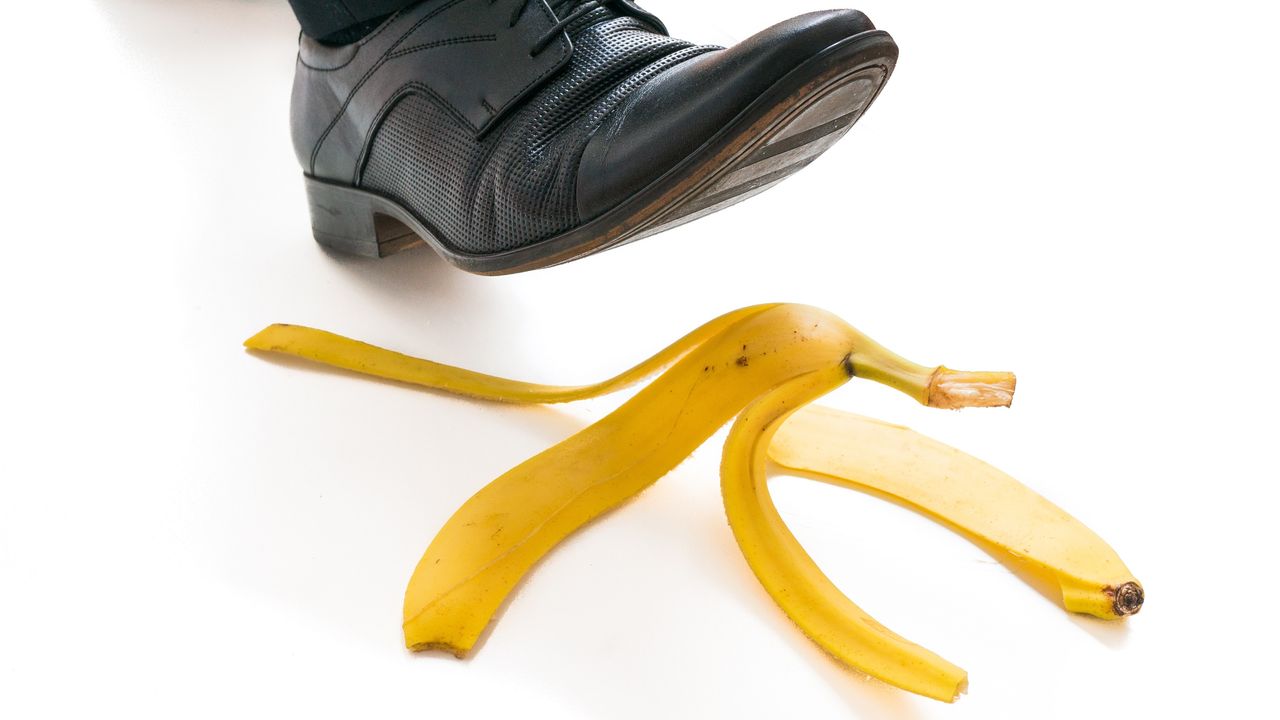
(355, 33)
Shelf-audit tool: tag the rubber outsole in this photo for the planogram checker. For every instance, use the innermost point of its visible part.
(784, 130)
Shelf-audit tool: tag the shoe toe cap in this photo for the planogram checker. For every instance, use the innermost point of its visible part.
(671, 116)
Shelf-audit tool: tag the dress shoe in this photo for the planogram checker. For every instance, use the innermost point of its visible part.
(510, 135)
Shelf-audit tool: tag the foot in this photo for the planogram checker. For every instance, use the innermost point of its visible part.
(510, 138)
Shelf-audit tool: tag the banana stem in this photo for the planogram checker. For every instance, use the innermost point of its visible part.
(937, 387)
(954, 389)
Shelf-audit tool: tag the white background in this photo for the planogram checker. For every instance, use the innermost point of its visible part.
(1085, 193)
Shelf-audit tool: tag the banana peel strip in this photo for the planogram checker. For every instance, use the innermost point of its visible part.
(341, 352)
(1033, 537)
(792, 578)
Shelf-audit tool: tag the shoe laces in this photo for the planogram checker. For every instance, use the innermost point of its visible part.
(583, 9)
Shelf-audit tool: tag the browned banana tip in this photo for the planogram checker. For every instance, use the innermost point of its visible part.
(443, 647)
(1127, 599)
(955, 389)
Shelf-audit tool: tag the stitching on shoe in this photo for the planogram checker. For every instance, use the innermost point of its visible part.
(565, 48)
(359, 46)
(463, 40)
(460, 40)
(404, 91)
(315, 152)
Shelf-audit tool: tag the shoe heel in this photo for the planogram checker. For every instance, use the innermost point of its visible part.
(349, 221)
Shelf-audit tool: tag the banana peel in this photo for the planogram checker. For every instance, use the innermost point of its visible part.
(1031, 536)
(763, 365)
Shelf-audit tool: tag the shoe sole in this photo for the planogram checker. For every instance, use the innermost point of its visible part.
(784, 130)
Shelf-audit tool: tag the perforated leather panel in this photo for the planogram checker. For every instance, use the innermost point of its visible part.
(516, 185)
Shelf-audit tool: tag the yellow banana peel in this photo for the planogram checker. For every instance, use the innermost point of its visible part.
(1017, 526)
(792, 578)
(342, 352)
(762, 364)
(497, 535)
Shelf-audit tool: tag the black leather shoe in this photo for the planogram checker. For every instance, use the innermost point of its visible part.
(515, 134)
